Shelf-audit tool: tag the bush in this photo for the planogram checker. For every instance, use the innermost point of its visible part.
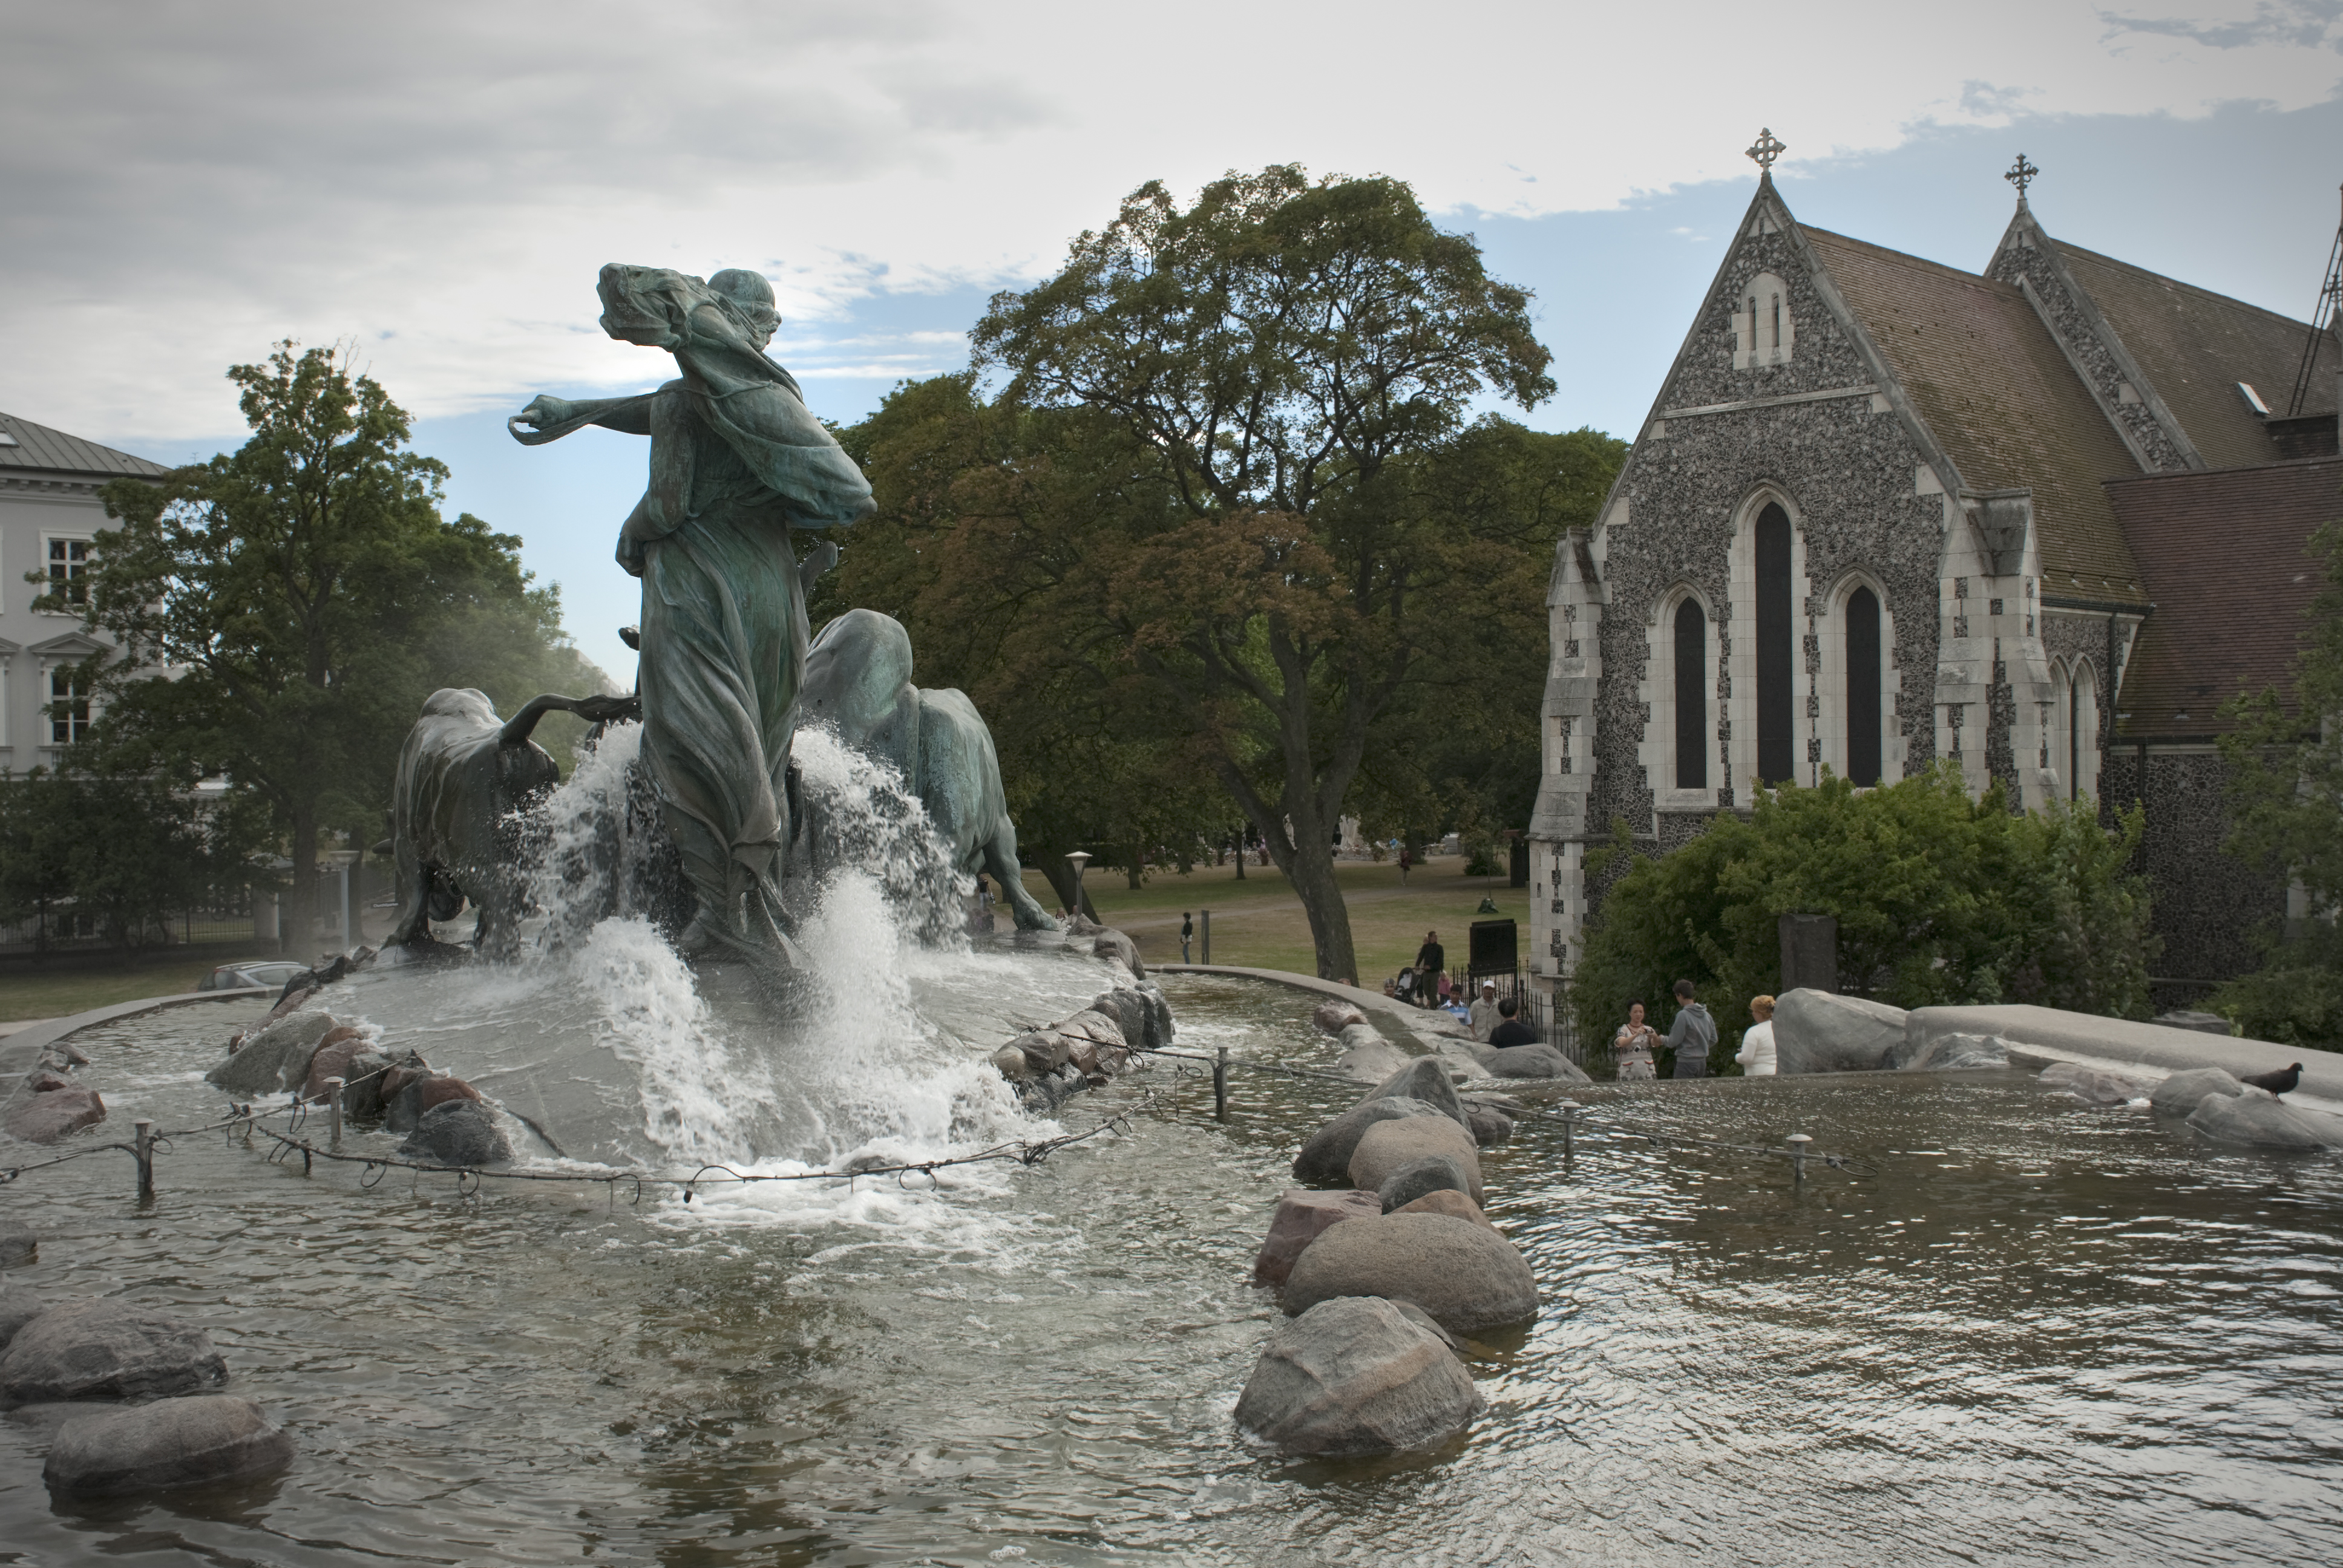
(2294, 999)
(1940, 898)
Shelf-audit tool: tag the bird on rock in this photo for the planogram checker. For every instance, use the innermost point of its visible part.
(2280, 1082)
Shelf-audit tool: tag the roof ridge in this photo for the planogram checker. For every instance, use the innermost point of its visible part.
(2195, 288)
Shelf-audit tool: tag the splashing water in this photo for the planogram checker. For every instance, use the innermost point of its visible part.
(858, 815)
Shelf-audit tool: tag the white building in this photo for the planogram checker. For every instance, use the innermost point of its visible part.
(49, 513)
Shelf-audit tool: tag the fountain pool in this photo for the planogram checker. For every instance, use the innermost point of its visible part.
(2043, 1333)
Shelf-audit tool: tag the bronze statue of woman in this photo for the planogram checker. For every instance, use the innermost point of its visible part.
(737, 462)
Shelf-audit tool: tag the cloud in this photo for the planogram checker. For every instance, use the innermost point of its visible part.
(187, 180)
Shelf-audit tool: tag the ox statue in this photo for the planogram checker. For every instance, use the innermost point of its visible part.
(465, 782)
(858, 681)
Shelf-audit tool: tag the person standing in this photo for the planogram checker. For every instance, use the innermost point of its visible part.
(1511, 1031)
(1484, 1011)
(1430, 959)
(1187, 931)
(1692, 1033)
(1757, 1056)
(1632, 1046)
(1406, 859)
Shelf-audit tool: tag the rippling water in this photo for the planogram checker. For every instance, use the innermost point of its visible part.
(2041, 1334)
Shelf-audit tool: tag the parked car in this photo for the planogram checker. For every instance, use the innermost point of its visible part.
(272, 972)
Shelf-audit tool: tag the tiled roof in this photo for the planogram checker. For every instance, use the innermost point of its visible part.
(53, 451)
(2195, 347)
(1994, 388)
(2225, 551)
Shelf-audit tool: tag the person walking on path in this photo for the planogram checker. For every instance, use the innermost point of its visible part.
(1511, 1031)
(1756, 1056)
(1430, 959)
(1484, 1011)
(1406, 859)
(1691, 1034)
(1632, 1046)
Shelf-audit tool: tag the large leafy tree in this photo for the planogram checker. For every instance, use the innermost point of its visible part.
(1280, 363)
(281, 612)
(1940, 898)
(2286, 770)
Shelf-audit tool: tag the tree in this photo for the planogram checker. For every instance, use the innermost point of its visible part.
(1277, 353)
(299, 600)
(1939, 897)
(2286, 799)
(129, 849)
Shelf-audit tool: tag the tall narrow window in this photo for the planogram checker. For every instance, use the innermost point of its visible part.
(1692, 697)
(1753, 329)
(1775, 746)
(68, 709)
(1777, 321)
(68, 564)
(1863, 750)
(2082, 733)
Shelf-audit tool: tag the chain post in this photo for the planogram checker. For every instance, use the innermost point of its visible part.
(143, 1152)
(1569, 1108)
(1221, 1086)
(334, 1110)
(1798, 1145)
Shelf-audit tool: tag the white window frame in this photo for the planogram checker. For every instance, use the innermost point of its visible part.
(87, 700)
(49, 537)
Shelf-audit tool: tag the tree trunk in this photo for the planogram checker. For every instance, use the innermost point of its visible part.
(1135, 868)
(1310, 866)
(304, 899)
(1241, 852)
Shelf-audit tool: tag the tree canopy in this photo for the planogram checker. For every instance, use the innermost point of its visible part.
(1247, 415)
(298, 599)
(1940, 898)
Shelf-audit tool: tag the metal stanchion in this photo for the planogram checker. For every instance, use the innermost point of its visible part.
(1799, 1142)
(1569, 1108)
(334, 1110)
(1206, 915)
(1221, 1086)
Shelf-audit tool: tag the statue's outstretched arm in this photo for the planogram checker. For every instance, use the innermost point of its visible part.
(593, 709)
(551, 418)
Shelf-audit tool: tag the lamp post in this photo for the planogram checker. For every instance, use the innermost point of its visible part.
(1078, 858)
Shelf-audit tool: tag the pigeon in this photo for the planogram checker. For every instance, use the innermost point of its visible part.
(2280, 1082)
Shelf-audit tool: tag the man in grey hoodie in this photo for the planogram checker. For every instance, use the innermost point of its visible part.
(1691, 1034)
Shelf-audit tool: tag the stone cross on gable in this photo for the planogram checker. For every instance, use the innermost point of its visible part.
(1767, 149)
(2021, 174)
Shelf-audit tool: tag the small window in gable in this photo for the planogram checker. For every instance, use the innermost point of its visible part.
(1763, 331)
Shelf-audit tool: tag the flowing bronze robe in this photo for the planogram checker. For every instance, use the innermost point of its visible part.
(737, 462)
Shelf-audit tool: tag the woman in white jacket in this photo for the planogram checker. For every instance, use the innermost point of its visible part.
(1756, 1054)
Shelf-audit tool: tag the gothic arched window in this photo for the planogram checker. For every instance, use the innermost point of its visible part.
(1762, 332)
(1863, 723)
(1691, 696)
(1776, 703)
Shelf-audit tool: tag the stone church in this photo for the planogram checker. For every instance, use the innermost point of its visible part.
(2039, 520)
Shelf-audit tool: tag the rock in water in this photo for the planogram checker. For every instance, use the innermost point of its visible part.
(1388, 1146)
(1326, 1158)
(1447, 1200)
(18, 1306)
(1368, 1056)
(1490, 1125)
(457, 1133)
(362, 1094)
(274, 1059)
(1302, 1217)
(107, 1350)
(1425, 1079)
(2253, 1118)
(2183, 1093)
(1533, 1062)
(187, 1442)
(1468, 1277)
(18, 1243)
(1356, 1376)
(2093, 1087)
(1334, 1017)
(1430, 1173)
(60, 1112)
(1819, 1032)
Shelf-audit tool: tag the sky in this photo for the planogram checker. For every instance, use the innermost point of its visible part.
(182, 182)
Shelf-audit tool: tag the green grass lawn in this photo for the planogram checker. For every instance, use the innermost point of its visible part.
(27, 992)
(1259, 922)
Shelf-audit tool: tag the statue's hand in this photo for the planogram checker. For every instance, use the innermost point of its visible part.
(609, 709)
(542, 412)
